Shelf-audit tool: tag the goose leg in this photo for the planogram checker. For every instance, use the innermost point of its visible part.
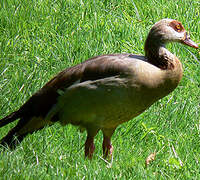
(89, 143)
(89, 147)
(107, 146)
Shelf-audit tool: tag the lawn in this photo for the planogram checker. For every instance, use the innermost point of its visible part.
(39, 38)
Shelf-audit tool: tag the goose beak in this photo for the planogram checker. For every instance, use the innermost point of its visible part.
(189, 42)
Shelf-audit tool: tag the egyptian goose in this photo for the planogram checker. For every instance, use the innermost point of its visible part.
(104, 91)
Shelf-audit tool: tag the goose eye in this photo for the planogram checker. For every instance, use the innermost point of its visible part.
(178, 28)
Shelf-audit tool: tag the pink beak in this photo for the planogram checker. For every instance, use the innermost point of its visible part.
(189, 42)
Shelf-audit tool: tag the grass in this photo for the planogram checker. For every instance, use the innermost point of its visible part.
(40, 38)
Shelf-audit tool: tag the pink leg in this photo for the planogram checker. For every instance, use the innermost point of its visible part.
(89, 143)
(107, 147)
(89, 147)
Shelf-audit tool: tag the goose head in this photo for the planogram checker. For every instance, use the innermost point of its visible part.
(168, 30)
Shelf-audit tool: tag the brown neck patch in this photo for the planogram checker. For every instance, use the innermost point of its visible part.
(177, 26)
(160, 62)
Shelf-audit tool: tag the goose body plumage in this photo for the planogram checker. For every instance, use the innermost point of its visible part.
(105, 91)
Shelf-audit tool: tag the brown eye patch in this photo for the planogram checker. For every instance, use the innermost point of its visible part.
(177, 26)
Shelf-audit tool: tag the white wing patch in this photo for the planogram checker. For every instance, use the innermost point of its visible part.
(77, 82)
(61, 92)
